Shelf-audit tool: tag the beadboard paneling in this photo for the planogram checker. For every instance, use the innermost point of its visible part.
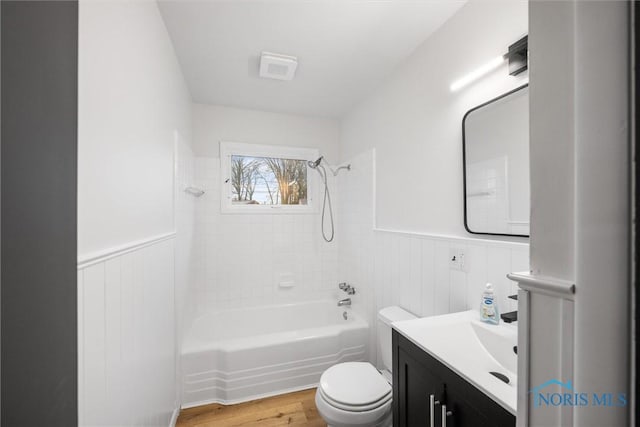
(126, 339)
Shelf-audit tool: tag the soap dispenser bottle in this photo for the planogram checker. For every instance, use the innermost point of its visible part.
(489, 306)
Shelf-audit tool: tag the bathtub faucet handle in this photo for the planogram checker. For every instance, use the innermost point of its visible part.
(347, 288)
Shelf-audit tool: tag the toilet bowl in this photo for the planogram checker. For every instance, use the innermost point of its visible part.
(354, 394)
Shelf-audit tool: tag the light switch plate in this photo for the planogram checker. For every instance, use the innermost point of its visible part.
(457, 259)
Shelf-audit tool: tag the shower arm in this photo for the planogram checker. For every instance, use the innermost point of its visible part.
(337, 170)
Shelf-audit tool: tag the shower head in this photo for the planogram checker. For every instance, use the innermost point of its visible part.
(314, 165)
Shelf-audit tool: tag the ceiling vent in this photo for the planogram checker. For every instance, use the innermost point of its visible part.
(277, 66)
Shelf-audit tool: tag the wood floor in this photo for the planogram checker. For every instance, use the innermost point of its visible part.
(294, 409)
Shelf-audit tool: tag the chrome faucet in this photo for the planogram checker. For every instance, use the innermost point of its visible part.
(346, 301)
(347, 288)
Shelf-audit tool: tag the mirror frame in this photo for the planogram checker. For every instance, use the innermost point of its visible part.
(464, 163)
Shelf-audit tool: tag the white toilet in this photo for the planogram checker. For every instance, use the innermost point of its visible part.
(356, 393)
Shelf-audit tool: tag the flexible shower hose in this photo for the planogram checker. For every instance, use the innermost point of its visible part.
(326, 201)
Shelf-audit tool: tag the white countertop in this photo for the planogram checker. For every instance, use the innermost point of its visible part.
(470, 348)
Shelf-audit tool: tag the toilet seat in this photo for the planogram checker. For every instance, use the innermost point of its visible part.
(354, 393)
(355, 408)
(355, 386)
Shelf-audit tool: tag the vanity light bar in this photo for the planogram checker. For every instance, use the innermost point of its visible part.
(517, 56)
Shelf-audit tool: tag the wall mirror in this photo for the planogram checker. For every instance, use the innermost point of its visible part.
(495, 147)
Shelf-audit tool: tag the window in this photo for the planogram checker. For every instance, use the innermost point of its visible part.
(261, 178)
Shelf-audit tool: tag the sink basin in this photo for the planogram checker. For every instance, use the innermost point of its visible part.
(498, 341)
(471, 348)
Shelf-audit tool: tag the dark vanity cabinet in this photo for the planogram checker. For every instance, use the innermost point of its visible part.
(427, 393)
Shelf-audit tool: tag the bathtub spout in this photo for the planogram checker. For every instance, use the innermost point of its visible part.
(346, 301)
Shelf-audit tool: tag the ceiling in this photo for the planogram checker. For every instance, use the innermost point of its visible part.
(345, 48)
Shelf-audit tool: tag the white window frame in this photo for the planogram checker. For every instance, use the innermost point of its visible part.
(228, 149)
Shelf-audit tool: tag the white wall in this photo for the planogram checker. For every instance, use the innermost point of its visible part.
(134, 115)
(240, 259)
(213, 123)
(131, 99)
(411, 269)
(415, 122)
(401, 206)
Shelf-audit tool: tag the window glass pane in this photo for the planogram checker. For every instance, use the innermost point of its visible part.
(268, 181)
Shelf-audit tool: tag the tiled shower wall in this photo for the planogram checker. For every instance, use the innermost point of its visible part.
(185, 211)
(413, 270)
(240, 259)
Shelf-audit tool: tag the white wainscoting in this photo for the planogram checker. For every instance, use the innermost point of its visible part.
(126, 336)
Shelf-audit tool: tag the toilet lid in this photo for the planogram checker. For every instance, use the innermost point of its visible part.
(355, 385)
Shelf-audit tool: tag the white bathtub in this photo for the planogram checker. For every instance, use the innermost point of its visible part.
(231, 356)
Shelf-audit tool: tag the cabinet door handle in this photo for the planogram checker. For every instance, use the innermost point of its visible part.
(445, 414)
(432, 409)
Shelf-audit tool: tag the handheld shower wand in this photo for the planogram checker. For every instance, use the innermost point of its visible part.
(317, 165)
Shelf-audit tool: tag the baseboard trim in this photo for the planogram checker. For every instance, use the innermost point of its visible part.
(174, 417)
(250, 398)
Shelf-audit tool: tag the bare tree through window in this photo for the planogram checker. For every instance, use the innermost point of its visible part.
(268, 181)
